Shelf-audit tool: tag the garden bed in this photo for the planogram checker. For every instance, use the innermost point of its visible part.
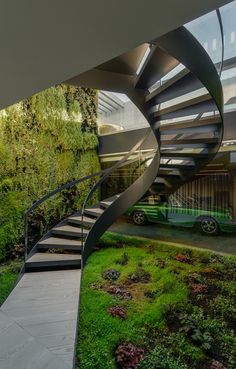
(147, 305)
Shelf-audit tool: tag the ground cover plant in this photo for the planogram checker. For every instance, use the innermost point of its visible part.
(8, 276)
(165, 308)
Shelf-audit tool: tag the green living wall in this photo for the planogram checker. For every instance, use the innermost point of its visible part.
(45, 141)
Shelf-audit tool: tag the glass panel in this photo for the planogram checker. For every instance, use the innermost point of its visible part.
(206, 30)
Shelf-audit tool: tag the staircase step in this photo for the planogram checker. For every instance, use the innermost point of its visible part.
(182, 105)
(77, 219)
(96, 212)
(50, 261)
(167, 84)
(152, 70)
(59, 243)
(105, 204)
(168, 154)
(178, 127)
(68, 230)
(188, 141)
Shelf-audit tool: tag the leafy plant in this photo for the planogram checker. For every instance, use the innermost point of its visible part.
(217, 365)
(123, 259)
(183, 259)
(120, 292)
(45, 141)
(139, 275)
(128, 356)
(111, 274)
(118, 311)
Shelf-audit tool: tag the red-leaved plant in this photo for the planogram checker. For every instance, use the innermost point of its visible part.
(183, 259)
(118, 311)
(199, 288)
(128, 356)
(217, 365)
(121, 292)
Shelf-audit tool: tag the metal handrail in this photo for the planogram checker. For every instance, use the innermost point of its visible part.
(71, 184)
(222, 40)
(119, 164)
(46, 197)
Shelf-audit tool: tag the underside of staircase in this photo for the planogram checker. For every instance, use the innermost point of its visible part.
(38, 320)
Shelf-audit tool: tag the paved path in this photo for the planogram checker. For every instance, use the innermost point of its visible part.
(224, 243)
(38, 321)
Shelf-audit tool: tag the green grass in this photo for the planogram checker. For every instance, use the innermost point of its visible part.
(8, 276)
(147, 322)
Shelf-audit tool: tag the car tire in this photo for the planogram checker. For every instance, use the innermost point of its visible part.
(208, 226)
(139, 217)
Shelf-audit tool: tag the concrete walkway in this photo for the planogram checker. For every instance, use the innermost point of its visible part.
(38, 321)
(223, 243)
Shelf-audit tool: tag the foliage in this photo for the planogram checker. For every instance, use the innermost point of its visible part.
(118, 311)
(163, 316)
(111, 274)
(45, 141)
(128, 356)
(160, 358)
(8, 276)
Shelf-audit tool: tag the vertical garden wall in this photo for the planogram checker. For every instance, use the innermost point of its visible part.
(45, 141)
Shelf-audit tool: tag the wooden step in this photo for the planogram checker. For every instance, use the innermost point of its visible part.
(59, 243)
(96, 212)
(70, 231)
(77, 219)
(51, 261)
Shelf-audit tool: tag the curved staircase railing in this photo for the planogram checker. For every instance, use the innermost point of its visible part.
(104, 174)
(184, 144)
(185, 114)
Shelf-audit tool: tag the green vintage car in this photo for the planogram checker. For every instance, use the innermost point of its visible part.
(159, 209)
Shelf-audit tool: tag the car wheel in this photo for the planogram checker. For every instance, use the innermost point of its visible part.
(209, 226)
(139, 217)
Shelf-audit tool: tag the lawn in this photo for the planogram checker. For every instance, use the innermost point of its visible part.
(147, 305)
(8, 276)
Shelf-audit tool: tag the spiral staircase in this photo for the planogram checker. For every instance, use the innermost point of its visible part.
(185, 114)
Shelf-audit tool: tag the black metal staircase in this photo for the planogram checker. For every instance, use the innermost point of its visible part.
(185, 113)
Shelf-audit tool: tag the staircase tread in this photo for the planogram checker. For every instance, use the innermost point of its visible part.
(79, 218)
(59, 241)
(95, 210)
(69, 228)
(44, 256)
